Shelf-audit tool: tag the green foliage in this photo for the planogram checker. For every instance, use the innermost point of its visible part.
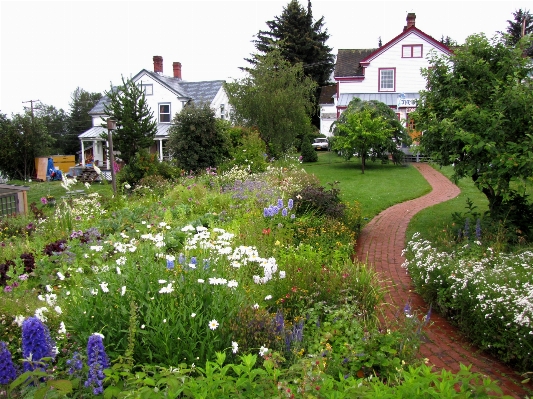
(475, 115)
(136, 126)
(144, 165)
(276, 98)
(24, 138)
(197, 139)
(248, 150)
(79, 119)
(308, 152)
(370, 129)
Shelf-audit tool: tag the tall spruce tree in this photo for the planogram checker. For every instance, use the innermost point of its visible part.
(136, 125)
(300, 40)
(521, 25)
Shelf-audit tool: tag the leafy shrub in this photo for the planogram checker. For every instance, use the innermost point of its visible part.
(308, 152)
(319, 201)
(155, 185)
(197, 139)
(248, 151)
(145, 164)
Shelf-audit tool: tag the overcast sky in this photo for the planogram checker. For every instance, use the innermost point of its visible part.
(48, 48)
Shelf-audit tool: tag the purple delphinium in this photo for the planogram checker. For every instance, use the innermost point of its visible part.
(284, 212)
(478, 229)
(290, 204)
(36, 343)
(75, 363)
(170, 264)
(97, 361)
(7, 370)
(280, 203)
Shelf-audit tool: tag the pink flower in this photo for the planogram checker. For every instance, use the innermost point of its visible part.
(44, 201)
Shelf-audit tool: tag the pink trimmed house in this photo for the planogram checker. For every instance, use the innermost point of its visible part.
(390, 74)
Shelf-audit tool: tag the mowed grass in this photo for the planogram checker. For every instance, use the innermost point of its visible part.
(381, 186)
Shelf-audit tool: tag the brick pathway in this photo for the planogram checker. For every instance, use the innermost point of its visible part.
(380, 244)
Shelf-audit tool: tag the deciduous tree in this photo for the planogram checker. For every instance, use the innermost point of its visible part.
(79, 119)
(370, 129)
(476, 116)
(136, 125)
(277, 98)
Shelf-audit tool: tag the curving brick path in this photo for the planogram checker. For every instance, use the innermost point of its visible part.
(381, 243)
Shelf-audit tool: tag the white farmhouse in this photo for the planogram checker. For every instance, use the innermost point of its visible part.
(390, 73)
(166, 96)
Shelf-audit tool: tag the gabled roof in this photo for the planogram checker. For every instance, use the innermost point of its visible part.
(95, 133)
(196, 92)
(327, 93)
(349, 62)
(401, 36)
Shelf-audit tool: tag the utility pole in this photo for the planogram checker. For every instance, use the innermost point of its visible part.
(31, 101)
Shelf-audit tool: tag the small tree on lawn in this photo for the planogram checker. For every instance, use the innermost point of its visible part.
(136, 126)
(198, 139)
(308, 152)
(368, 128)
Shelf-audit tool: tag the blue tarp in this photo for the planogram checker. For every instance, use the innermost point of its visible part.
(51, 172)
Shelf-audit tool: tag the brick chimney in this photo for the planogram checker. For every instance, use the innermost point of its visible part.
(158, 64)
(177, 69)
(410, 20)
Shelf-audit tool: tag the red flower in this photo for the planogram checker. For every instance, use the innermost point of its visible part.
(266, 231)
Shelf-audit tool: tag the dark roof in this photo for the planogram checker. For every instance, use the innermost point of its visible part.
(202, 91)
(327, 93)
(348, 62)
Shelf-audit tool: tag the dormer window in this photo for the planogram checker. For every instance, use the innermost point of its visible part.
(412, 51)
(164, 113)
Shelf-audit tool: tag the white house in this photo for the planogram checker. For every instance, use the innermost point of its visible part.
(166, 96)
(390, 73)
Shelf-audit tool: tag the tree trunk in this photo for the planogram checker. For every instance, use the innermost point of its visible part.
(363, 159)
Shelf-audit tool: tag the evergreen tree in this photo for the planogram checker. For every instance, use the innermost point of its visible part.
(514, 30)
(79, 119)
(136, 125)
(308, 152)
(522, 23)
(300, 40)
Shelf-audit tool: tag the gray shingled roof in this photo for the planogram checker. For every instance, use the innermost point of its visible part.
(348, 62)
(327, 93)
(197, 92)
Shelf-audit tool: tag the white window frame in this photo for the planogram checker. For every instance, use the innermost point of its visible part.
(387, 79)
(164, 113)
(148, 89)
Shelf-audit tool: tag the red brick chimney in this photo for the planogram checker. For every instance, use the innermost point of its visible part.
(158, 64)
(410, 20)
(177, 69)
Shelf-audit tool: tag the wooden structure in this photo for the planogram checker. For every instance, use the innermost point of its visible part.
(13, 199)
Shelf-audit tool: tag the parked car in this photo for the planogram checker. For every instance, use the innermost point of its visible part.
(320, 143)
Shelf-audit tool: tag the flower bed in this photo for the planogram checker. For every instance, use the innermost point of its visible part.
(489, 296)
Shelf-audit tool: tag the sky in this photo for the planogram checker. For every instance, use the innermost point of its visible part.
(49, 48)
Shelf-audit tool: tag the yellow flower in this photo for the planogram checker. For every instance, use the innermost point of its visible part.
(277, 243)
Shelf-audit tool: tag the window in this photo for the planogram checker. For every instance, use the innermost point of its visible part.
(387, 79)
(148, 89)
(222, 114)
(164, 113)
(412, 51)
(410, 123)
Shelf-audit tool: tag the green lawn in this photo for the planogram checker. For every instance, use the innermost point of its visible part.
(381, 186)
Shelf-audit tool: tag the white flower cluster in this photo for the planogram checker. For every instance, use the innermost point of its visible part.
(500, 283)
